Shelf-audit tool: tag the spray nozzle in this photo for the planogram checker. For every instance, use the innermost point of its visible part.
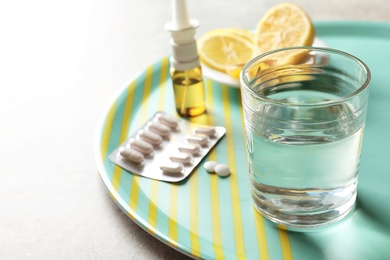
(180, 15)
(182, 29)
(180, 18)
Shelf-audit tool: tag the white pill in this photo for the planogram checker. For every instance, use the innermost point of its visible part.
(160, 129)
(172, 167)
(189, 148)
(181, 157)
(151, 137)
(167, 120)
(209, 131)
(141, 146)
(197, 139)
(131, 155)
(210, 166)
(222, 170)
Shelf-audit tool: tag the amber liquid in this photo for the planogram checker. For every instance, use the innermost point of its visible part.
(189, 92)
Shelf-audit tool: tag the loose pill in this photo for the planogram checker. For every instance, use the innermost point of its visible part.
(171, 167)
(190, 148)
(141, 146)
(160, 129)
(222, 170)
(210, 166)
(197, 139)
(131, 155)
(167, 120)
(181, 157)
(209, 131)
(151, 137)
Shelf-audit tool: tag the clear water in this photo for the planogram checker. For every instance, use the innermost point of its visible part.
(304, 160)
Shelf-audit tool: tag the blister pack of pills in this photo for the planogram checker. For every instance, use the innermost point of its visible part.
(166, 148)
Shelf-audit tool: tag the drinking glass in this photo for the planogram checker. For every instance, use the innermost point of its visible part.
(304, 112)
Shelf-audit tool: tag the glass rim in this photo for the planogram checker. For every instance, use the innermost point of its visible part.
(244, 84)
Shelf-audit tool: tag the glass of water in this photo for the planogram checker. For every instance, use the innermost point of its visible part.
(304, 111)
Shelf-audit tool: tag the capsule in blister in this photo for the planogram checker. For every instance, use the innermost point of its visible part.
(151, 137)
(159, 129)
(181, 157)
(168, 120)
(189, 148)
(171, 167)
(131, 155)
(197, 139)
(141, 146)
(209, 131)
(167, 148)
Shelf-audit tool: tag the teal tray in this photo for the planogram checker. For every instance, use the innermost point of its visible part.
(210, 217)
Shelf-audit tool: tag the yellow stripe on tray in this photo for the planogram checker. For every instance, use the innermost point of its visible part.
(116, 178)
(162, 85)
(261, 237)
(284, 243)
(152, 218)
(214, 189)
(173, 194)
(236, 208)
(107, 132)
(194, 227)
(259, 219)
(173, 211)
(133, 202)
(194, 203)
(146, 94)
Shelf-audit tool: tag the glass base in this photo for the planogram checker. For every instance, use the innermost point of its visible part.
(307, 222)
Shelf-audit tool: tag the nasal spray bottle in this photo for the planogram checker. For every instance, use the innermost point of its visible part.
(186, 71)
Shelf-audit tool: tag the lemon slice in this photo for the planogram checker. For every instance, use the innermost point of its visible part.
(222, 49)
(284, 25)
(244, 34)
(235, 70)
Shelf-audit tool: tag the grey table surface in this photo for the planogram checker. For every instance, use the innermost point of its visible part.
(60, 64)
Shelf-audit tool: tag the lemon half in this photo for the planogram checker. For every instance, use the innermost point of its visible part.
(221, 49)
(284, 25)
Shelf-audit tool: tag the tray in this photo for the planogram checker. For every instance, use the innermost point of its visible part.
(209, 217)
